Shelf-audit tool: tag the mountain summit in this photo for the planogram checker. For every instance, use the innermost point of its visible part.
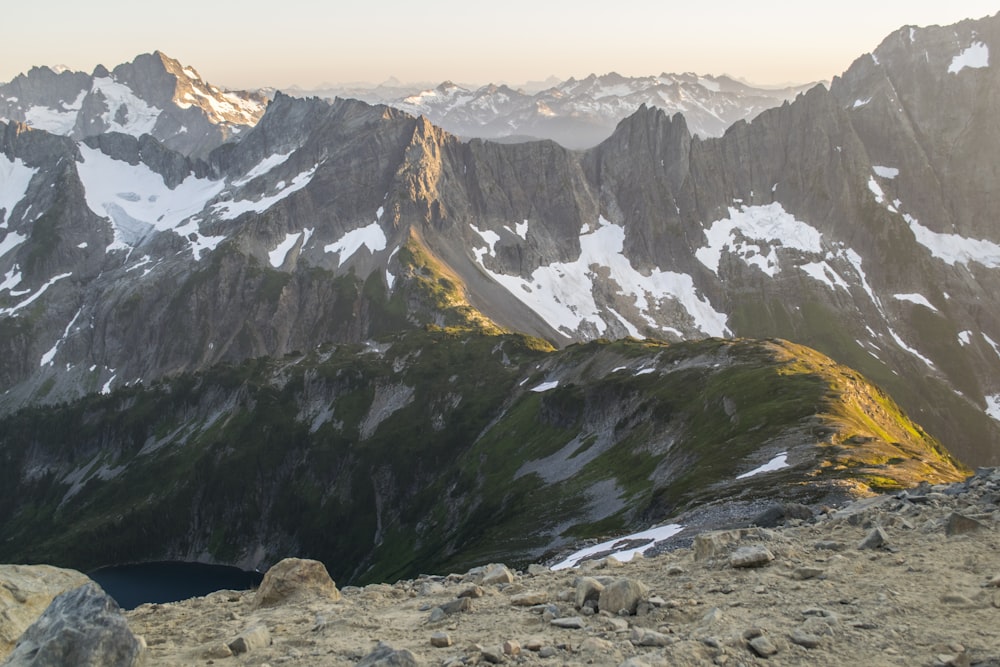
(154, 94)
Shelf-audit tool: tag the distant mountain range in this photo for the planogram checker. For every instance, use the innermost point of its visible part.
(575, 113)
(227, 264)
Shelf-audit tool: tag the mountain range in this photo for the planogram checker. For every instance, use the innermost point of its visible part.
(207, 279)
(576, 113)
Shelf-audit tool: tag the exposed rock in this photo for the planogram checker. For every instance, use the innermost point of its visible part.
(385, 655)
(295, 579)
(751, 556)
(568, 622)
(441, 640)
(82, 627)
(255, 637)
(25, 592)
(471, 591)
(622, 594)
(875, 539)
(959, 524)
(528, 599)
(763, 646)
(587, 588)
(497, 574)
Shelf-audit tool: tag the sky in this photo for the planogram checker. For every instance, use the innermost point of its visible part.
(282, 43)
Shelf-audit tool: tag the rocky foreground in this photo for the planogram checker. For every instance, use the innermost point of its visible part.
(905, 579)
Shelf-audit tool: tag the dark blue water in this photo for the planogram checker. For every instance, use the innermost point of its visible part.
(133, 585)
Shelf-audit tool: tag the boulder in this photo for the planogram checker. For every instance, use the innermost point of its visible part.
(295, 579)
(251, 639)
(25, 592)
(385, 655)
(751, 556)
(622, 594)
(497, 574)
(587, 588)
(83, 627)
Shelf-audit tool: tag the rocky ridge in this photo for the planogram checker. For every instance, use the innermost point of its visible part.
(911, 578)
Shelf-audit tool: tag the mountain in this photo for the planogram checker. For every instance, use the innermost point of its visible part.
(854, 220)
(442, 449)
(154, 95)
(578, 113)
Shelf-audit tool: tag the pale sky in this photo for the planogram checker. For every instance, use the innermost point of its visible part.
(281, 43)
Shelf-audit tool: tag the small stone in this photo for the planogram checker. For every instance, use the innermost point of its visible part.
(616, 624)
(535, 569)
(441, 640)
(528, 599)
(674, 570)
(217, 651)
(385, 655)
(534, 644)
(587, 588)
(804, 639)
(511, 648)
(456, 606)
(493, 655)
(875, 539)
(763, 646)
(568, 622)
(548, 652)
(713, 615)
(994, 582)
(595, 645)
(959, 524)
(251, 639)
(751, 556)
(646, 637)
(471, 591)
(802, 573)
(830, 545)
(437, 615)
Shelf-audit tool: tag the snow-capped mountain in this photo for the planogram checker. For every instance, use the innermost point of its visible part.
(154, 94)
(581, 113)
(858, 220)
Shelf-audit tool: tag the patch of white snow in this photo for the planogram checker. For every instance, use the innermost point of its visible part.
(976, 56)
(777, 463)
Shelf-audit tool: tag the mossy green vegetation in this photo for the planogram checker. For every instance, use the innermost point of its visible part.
(429, 450)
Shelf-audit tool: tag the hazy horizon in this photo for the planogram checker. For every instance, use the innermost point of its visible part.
(518, 42)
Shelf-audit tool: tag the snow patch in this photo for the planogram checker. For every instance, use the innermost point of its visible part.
(34, 297)
(278, 255)
(137, 200)
(976, 56)
(622, 548)
(777, 463)
(372, 237)
(137, 118)
(521, 229)
(876, 190)
(885, 172)
(262, 167)
(965, 337)
(230, 210)
(954, 249)
(545, 386)
(861, 103)
(993, 407)
(563, 293)
(14, 179)
(11, 279)
(51, 354)
(918, 299)
(993, 344)
(749, 228)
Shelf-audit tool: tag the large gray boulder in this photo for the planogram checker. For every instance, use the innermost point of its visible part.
(25, 592)
(83, 627)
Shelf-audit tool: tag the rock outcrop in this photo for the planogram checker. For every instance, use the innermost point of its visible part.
(81, 627)
(25, 592)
